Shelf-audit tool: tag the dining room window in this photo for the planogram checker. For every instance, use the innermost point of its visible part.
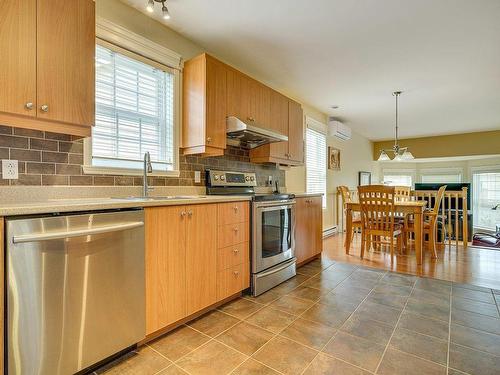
(486, 199)
(441, 175)
(398, 179)
(316, 162)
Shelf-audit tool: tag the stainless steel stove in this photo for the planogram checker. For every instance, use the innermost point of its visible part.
(273, 228)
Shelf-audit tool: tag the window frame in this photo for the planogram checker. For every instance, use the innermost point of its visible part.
(479, 170)
(442, 172)
(132, 45)
(400, 172)
(321, 129)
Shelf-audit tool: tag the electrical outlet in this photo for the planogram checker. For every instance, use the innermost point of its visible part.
(197, 177)
(10, 170)
(270, 180)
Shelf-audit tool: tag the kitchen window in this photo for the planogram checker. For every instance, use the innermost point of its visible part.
(137, 100)
(398, 178)
(441, 175)
(316, 162)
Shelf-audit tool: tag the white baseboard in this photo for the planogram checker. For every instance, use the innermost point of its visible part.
(330, 231)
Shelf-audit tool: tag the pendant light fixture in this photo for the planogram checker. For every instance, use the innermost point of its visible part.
(150, 7)
(400, 153)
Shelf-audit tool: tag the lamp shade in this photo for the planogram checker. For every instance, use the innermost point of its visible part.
(383, 156)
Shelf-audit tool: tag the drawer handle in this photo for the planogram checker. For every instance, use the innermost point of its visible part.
(236, 273)
(235, 208)
(236, 230)
(209, 139)
(236, 251)
(183, 213)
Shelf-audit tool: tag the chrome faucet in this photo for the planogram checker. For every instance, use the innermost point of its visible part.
(148, 168)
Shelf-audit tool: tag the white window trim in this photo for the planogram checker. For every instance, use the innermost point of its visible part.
(122, 38)
(320, 128)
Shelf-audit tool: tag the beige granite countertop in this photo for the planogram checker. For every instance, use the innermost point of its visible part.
(93, 204)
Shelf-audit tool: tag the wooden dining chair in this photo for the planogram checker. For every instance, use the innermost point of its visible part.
(430, 221)
(347, 198)
(378, 217)
(402, 193)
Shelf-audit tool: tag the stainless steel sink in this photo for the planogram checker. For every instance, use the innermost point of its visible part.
(168, 197)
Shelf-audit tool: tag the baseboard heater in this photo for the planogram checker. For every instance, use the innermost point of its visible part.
(330, 231)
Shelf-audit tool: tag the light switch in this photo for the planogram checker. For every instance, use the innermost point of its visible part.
(10, 170)
(197, 177)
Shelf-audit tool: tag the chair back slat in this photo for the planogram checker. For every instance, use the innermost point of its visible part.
(402, 193)
(377, 207)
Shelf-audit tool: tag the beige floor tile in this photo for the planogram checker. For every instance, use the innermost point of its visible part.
(146, 362)
(433, 285)
(359, 282)
(387, 299)
(241, 308)
(310, 294)
(477, 321)
(475, 306)
(309, 333)
(291, 284)
(213, 358)
(452, 371)
(475, 295)
(323, 283)
(326, 365)
(179, 342)
(399, 279)
(422, 346)
(345, 302)
(420, 295)
(285, 355)
(427, 326)
(252, 367)
(428, 309)
(245, 338)
(291, 305)
(265, 298)
(349, 290)
(271, 319)
(381, 313)
(173, 370)
(329, 315)
(213, 323)
(396, 362)
(393, 290)
(472, 361)
(355, 350)
(368, 329)
(473, 338)
(309, 269)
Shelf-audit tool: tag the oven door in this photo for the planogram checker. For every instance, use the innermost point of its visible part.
(273, 232)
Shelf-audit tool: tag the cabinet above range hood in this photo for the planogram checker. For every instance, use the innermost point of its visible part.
(248, 134)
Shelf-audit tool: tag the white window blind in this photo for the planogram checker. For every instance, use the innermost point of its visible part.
(316, 163)
(134, 113)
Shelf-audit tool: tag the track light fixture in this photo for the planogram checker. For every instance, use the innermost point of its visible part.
(150, 7)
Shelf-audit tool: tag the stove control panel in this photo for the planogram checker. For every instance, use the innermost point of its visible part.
(228, 178)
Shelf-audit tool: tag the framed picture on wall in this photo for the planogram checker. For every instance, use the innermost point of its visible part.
(364, 178)
(333, 158)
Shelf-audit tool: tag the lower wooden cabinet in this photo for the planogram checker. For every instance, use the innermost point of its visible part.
(188, 266)
(308, 228)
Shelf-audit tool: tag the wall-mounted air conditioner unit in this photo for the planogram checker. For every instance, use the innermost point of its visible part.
(339, 130)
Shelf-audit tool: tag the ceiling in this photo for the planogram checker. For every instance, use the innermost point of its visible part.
(444, 55)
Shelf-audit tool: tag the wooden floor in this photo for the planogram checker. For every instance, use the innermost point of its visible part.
(476, 266)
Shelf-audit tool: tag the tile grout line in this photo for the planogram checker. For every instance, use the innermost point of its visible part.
(395, 327)
(449, 333)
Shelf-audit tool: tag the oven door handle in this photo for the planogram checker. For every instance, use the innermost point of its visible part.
(280, 204)
(281, 268)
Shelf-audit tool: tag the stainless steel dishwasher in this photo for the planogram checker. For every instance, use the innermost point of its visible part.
(75, 290)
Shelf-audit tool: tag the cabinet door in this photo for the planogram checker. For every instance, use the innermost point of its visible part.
(295, 132)
(65, 61)
(316, 220)
(238, 98)
(201, 257)
(216, 103)
(18, 56)
(165, 235)
(279, 122)
(302, 233)
(263, 105)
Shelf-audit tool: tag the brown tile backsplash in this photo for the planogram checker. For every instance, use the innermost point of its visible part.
(47, 158)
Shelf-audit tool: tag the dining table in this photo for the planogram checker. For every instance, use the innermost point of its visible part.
(414, 208)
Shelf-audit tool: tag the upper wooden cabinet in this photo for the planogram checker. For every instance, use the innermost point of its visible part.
(213, 91)
(204, 106)
(47, 50)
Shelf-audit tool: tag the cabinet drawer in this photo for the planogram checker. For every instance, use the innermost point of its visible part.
(233, 234)
(233, 213)
(232, 256)
(233, 280)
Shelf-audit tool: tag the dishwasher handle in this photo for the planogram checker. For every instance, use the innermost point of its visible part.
(75, 233)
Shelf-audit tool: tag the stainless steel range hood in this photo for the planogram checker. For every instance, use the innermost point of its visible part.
(248, 134)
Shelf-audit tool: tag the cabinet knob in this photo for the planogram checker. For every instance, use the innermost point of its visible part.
(28, 106)
(209, 139)
(183, 213)
(250, 119)
(44, 108)
(235, 230)
(236, 273)
(236, 251)
(235, 208)
(190, 213)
